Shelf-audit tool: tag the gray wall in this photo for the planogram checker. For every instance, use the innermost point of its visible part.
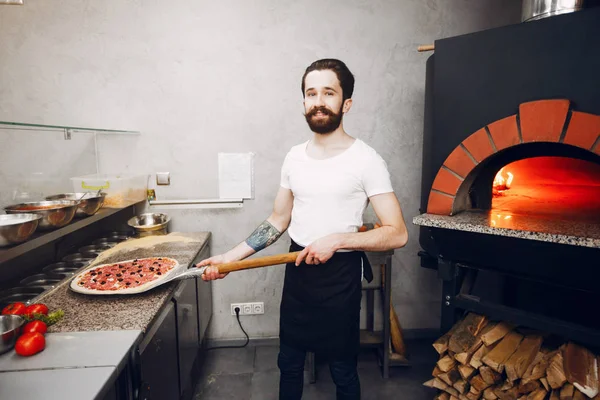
(199, 77)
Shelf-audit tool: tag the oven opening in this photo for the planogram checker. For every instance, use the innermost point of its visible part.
(548, 186)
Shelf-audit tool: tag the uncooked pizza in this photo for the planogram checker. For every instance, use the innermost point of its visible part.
(125, 276)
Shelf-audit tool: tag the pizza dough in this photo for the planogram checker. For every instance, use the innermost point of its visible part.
(124, 277)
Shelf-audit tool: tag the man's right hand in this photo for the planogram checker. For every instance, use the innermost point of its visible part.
(211, 273)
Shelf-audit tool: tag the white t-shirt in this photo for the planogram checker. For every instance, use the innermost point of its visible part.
(331, 195)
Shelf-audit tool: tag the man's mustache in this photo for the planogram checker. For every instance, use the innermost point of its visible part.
(321, 109)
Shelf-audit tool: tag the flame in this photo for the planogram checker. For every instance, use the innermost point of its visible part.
(502, 181)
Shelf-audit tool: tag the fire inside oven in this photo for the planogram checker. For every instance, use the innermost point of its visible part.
(548, 186)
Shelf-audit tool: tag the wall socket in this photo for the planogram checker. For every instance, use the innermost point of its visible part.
(249, 308)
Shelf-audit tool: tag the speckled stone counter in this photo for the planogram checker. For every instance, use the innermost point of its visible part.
(571, 232)
(118, 312)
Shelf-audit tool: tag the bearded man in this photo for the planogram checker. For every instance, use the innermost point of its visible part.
(326, 184)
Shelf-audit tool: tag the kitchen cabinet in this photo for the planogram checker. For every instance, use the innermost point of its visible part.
(204, 297)
(187, 331)
(158, 358)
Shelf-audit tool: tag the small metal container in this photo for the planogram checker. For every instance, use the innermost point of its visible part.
(22, 294)
(95, 249)
(79, 257)
(55, 213)
(89, 203)
(43, 280)
(64, 267)
(17, 228)
(106, 242)
(150, 224)
(10, 329)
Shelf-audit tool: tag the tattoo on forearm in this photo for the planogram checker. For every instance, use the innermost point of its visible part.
(265, 235)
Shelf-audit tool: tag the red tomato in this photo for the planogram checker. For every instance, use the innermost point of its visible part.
(14, 308)
(35, 326)
(29, 344)
(36, 309)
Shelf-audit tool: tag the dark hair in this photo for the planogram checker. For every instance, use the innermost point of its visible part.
(341, 70)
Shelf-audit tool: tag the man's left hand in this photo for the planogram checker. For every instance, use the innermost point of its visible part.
(319, 251)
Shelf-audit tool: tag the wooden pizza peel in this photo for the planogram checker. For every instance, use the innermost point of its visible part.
(182, 273)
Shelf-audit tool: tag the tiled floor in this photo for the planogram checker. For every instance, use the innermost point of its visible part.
(251, 374)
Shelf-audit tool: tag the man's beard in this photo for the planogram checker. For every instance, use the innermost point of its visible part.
(326, 124)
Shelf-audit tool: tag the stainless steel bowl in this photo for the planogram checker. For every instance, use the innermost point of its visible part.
(55, 213)
(89, 203)
(79, 257)
(150, 224)
(106, 242)
(17, 228)
(22, 294)
(43, 280)
(64, 267)
(95, 249)
(10, 329)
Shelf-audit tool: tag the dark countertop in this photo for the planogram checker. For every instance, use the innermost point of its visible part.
(124, 312)
(545, 229)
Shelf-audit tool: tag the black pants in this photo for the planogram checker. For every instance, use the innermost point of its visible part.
(291, 381)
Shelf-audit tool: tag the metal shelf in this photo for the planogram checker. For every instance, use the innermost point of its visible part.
(558, 327)
(41, 238)
(67, 129)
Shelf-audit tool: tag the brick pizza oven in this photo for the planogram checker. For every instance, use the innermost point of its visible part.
(510, 194)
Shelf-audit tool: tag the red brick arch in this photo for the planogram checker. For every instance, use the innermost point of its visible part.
(540, 121)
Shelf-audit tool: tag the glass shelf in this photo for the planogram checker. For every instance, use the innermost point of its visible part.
(66, 129)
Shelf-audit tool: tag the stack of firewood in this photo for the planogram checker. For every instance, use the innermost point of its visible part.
(482, 359)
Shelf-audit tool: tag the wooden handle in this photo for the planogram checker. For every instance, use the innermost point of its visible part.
(258, 262)
(426, 47)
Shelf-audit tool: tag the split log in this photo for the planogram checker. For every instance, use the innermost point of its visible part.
(555, 372)
(555, 395)
(440, 384)
(526, 388)
(578, 395)
(538, 358)
(479, 383)
(441, 344)
(488, 394)
(489, 375)
(517, 363)
(473, 394)
(443, 396)
(545, 383)
(464, 337)
(581, 369)
(498, 332)
(539, 370)
(466, 371)
(567, 391)
(502, 352)
(539, 394)
(461, 386)
(436, 371)
(450, 377)
(454, 398)
(475, 361)
(446, 363)
(510, 394)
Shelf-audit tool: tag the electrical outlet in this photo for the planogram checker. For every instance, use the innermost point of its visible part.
(258, 308)
(233, 307)
(248, 308)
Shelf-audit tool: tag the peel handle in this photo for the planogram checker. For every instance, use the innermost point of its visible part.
(258, 262)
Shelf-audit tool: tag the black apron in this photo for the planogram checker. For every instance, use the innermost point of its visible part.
(320, 305)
